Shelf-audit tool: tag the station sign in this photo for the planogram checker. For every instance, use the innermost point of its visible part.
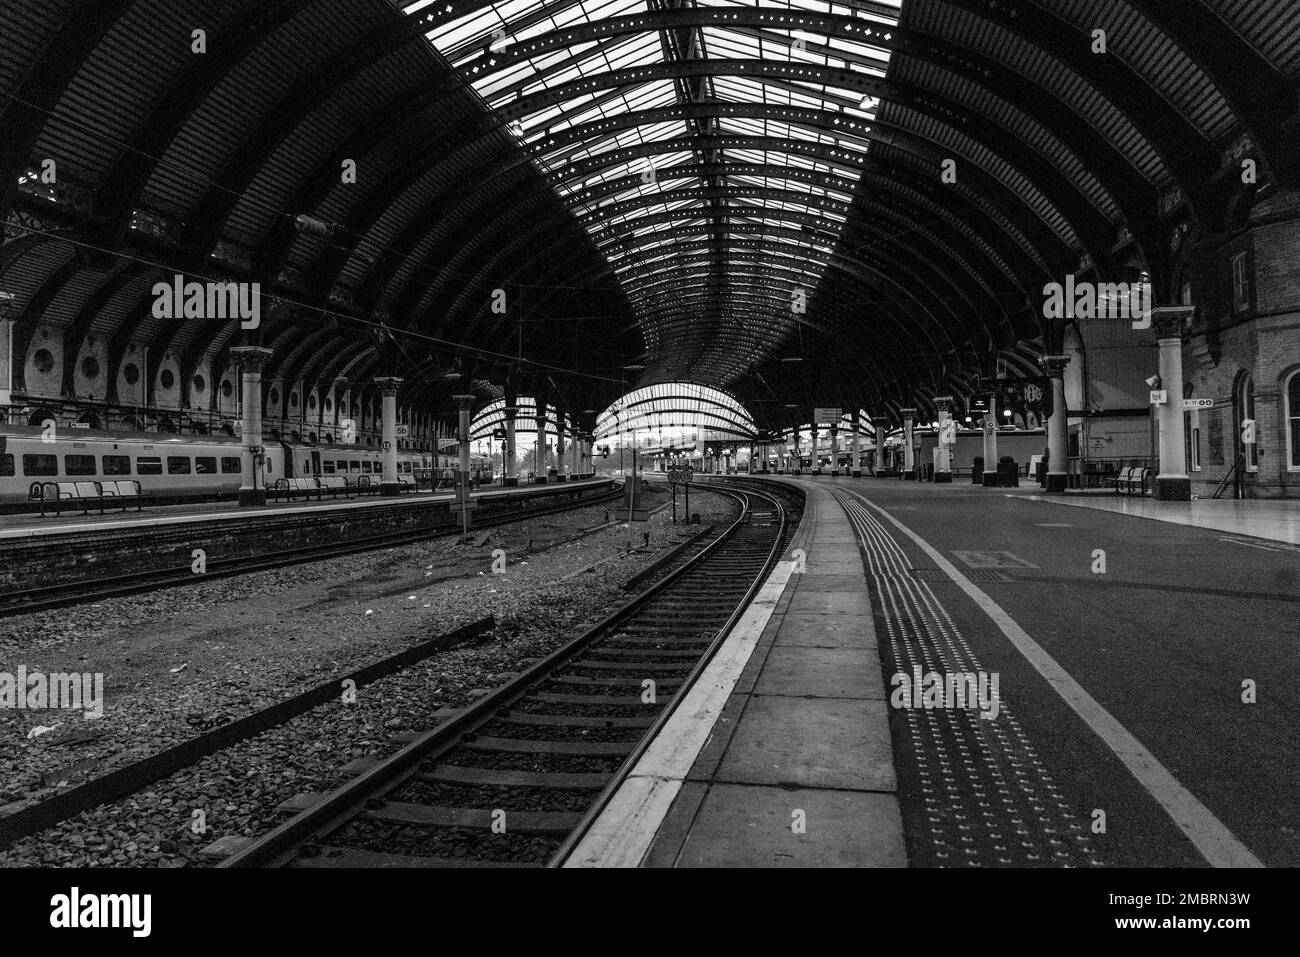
(826, 416)
(498, 433)
(1159, 396)
(681, 476)
(403, 432)
(1198, 403)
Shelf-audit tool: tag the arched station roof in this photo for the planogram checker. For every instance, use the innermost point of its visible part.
(676, 405)
(695, 189)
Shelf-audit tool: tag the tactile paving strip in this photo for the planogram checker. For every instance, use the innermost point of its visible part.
(987, 797)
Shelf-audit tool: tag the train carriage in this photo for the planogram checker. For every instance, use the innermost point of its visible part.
(193, 468)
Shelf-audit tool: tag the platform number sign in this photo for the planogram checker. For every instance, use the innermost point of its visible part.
(1248, 431)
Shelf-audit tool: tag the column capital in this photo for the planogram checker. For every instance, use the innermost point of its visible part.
(943, 403)
(1170, 322)
(1054, 366)
(388, 384)
(908, 413)
(251, 358)
(880, 421)
(510, 411)
(462, 401)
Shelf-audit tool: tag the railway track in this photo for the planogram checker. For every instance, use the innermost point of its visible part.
(49, 597)
(507, 779)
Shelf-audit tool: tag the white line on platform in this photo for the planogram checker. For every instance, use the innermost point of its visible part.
(1233, 541)
(623, 832)
(1208, 834)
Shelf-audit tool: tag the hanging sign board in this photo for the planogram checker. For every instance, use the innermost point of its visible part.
(826, 416)
(1198, 403)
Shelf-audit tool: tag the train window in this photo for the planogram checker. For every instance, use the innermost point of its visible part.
(327, 466)
(230, 465)
(79, 465)
(178, 465)
(365, 466)
(148, 465)
(354, 466)
(40, 465)
(204, 465)
(6, 466)
(117, 465)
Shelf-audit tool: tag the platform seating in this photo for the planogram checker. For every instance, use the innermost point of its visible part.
(335, 485)
(1134, 478)
(88, 494)
(122, 492)
(289, 488)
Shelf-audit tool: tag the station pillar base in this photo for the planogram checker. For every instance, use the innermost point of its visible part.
(857, 473)
(511, 482)
(389, 489)
(1056, 482)
(1172, 488)
(561, 478)
(816, 471)
(909, 475)
(942, 478)
(990, 479)
(835, 473)
(539, 480)
(252, 496)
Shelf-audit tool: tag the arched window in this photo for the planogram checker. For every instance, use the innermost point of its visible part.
(1292, 392)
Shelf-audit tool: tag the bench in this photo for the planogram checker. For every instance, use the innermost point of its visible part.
(86, 494)
(366, 487)
(1134, 477)
(405, 483)
(122, 491)
(334, 485)
(289, 487)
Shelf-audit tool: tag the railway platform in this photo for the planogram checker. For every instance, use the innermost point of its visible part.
(972, 677)
(781, 754)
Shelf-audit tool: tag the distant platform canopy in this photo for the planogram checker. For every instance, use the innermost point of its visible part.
(670, 405)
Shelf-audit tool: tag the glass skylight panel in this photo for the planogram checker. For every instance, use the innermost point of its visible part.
(597, 173)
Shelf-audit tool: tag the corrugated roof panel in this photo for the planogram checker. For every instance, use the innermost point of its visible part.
(126, 300)
(261, 82)
(1271, 26)
(104, 104)
(964, 146)
(347, 113)
(28, 28)
(1151, 53)
(993, 41)
(1032, 133)
(63, 308)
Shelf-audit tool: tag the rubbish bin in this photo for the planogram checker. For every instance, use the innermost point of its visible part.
(977, 471)
(1008, 472)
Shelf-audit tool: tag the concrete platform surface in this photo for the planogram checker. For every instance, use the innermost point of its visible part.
(784, 758)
